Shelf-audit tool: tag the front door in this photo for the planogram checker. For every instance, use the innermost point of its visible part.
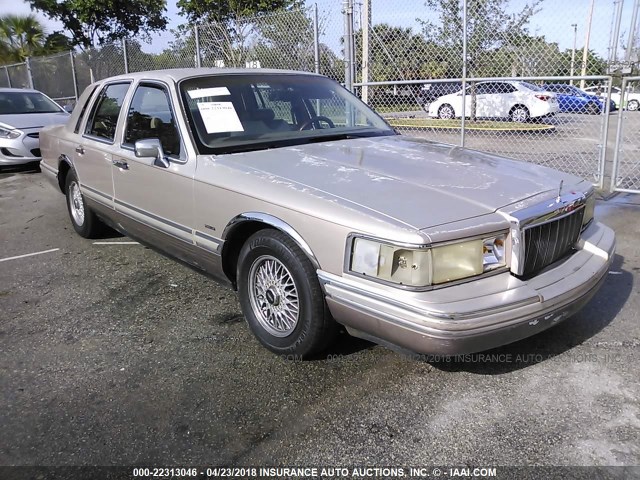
(155, 201)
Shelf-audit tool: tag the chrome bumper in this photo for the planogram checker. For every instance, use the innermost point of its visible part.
(477, 315)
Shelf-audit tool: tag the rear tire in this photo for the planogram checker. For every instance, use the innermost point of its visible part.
(633, 105)
(281, 297)
(593, 109)
(84, 220)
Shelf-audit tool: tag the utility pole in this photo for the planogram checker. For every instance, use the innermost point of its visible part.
(347, 11)
(616, 33)
(573, 52)
(366, 24)
(632, 31)
(585, 51)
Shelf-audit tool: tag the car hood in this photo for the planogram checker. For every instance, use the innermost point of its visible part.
(34, 120)
(419, 183)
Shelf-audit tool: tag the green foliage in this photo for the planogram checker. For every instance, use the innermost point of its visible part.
(92, 22)
(20, 37)
(200, 11)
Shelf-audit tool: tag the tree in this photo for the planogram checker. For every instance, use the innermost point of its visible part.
(225, 11)
(20, 37)
(489, 28)
(93, 22)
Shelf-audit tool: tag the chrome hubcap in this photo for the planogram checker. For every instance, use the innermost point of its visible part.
(75, 202)
(274, 296)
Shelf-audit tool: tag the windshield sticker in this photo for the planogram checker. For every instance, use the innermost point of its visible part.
(209, 92)
(220, 117)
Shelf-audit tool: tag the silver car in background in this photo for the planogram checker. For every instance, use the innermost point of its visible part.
(23, 113)
(288, 188)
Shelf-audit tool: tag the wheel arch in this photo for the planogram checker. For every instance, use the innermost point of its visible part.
(64, 167)
(242, 226)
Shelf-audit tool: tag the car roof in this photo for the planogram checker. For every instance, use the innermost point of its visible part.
(177, 74)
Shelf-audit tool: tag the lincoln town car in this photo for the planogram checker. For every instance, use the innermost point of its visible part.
(286, 187)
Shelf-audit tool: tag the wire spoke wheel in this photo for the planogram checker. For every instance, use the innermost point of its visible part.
(273, 296)
(76, 205)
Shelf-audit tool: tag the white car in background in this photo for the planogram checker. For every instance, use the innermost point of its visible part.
(517, 101)
(23, 113)
(632, 99)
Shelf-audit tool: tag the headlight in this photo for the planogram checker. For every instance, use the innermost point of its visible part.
(7, 132)
(420, 267)
(589, 208)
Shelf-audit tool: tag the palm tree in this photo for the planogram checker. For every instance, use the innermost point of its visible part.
(20, 37)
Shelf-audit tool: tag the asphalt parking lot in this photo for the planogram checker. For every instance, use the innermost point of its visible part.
(112, 354)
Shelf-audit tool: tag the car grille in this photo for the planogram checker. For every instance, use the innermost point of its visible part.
(548, 242)
(36, 152)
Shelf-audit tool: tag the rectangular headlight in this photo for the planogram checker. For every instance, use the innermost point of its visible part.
(427, 266)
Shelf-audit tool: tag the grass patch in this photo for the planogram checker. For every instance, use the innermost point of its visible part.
(484, 125)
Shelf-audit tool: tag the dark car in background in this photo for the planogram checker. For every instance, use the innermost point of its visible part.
(430, 91)
(573, 100)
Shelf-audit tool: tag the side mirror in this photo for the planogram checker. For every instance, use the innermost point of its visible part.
(68, 108)
(151, 147)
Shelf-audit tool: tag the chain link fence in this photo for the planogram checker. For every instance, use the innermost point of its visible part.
(493, 75)
(626, 164)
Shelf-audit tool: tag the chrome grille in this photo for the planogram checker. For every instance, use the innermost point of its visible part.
(548, 242)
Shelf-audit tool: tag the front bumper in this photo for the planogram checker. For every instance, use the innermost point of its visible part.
(477, 315)
(21, 150)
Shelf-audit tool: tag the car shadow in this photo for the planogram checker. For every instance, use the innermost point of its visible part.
(27, 168)
(601, 310)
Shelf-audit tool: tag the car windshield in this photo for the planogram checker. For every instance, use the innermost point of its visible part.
(233, 113)
(12, 103)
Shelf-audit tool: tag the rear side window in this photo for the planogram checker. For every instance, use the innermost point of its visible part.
(104, 116)
(83, 110)
(151, 116)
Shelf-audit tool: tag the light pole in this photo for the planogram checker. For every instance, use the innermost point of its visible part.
(573, 52)
(585, 51)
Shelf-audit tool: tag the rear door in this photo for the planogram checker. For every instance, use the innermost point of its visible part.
(93, 154)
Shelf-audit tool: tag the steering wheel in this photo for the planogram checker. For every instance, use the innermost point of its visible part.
(316, 122)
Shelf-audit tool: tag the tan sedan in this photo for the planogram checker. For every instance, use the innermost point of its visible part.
(291, 190)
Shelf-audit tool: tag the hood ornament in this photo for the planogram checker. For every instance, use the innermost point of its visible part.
(559, 192)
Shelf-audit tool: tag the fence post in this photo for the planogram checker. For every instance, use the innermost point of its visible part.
(124, 54)
(27, 62)
(464, 72)
(366, 24)
(196, 36)
(73, 74)
(6, 70)
(316, 39)
(347, 6)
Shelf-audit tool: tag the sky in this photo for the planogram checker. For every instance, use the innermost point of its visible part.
(554, 21)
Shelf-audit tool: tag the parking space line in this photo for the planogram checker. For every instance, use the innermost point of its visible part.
(116, 243)
(28, 255)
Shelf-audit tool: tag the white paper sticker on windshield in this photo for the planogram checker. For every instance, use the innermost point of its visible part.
(220, 117)
(209, 92)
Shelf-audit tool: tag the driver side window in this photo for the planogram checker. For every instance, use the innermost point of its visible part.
(151, 116)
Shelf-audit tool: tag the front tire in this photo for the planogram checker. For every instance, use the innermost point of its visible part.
(281, 297)
(446, 112)
(519, 114)
(84, 220)
(633, 105)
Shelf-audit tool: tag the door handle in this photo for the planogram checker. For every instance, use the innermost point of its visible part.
(80, 149)
(121, 164)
